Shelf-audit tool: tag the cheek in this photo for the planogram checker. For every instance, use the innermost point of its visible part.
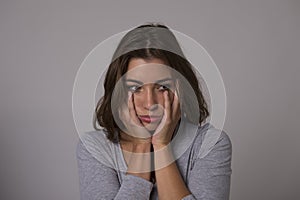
(137, 100)
(160, 99)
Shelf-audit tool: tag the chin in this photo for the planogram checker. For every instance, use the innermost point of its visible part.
(151, 127)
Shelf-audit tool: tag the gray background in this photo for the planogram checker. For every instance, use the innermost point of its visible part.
(255, 44)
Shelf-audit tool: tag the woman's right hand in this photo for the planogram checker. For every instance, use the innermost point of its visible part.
(135, 142)
(134, 128)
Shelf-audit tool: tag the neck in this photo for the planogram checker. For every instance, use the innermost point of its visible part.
(124, 137)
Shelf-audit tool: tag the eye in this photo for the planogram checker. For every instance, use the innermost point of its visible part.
(163, 87)
(133, 88)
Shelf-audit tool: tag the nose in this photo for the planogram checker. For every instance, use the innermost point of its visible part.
(150, 99)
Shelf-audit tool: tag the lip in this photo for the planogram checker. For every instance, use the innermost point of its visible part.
(149, 119)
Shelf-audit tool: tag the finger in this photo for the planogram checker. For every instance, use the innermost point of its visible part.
(176, 106)
(131, 106)
(132, 112)
(177, 89)
(130, 103)
(124, 117)
(167, 105)
(177, 109)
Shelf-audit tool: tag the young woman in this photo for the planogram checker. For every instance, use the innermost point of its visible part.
(153, 117)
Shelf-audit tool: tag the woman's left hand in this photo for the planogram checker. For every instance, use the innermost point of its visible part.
(163, 134)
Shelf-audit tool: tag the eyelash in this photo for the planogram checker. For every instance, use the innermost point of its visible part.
(136, 88)
(133, 88)
(165, 87)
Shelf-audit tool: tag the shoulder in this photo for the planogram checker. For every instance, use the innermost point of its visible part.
(210, 140)
(96, 135)
(95, 145)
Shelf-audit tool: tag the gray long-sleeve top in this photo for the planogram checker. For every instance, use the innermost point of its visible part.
(205, 166)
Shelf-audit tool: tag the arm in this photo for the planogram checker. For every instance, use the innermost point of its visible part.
(209, 178)
(136, 150)
(138, 159)
(170, 184)
(98, 181)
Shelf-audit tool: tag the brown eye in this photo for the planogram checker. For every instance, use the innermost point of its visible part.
(164, 87)
(133, 88)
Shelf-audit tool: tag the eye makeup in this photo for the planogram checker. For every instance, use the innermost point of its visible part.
(133, 85)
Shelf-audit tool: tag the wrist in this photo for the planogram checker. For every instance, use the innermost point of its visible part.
(163, 156)
(141, 147)
(159, 146)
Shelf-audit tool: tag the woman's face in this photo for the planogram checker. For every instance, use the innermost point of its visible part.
(146, 80)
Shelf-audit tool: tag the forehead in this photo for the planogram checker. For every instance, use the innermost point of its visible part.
(147, 71)
(135, 62)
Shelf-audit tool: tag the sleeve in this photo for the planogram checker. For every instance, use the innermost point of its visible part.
(98, 181)
(210, 175)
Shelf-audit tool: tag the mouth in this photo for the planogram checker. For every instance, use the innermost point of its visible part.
(149, 119)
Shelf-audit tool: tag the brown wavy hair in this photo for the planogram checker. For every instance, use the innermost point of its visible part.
(149, 37)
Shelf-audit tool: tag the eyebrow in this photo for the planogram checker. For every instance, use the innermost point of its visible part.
(141, 83)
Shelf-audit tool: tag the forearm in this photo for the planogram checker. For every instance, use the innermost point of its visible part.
(134, 187)
(136, 184)
(138, 160)
(170, 184)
